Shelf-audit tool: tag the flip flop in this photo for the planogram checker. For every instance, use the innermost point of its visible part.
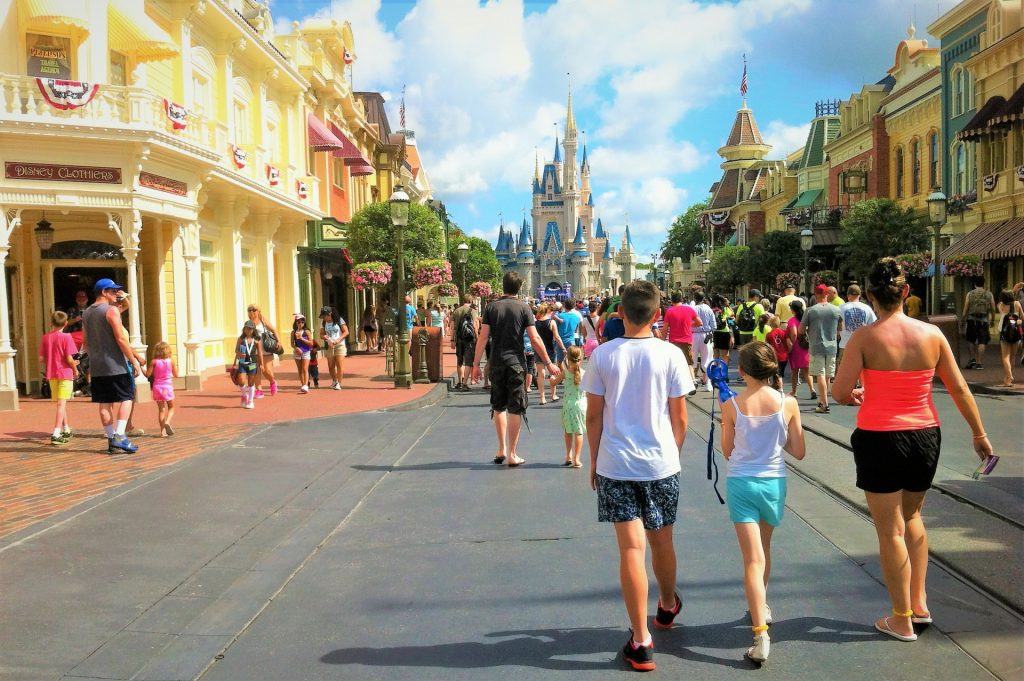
(499, 460)
(921, 619)
(887, 630)
(577, 465)
(567, 463)
(518, 463)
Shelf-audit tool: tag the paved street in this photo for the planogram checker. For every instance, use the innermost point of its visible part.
(385, 545)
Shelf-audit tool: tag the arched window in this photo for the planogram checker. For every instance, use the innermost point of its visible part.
(959, 168)
(203, 84)
(898, 172)
(915, 167)
(956, 88)
(995, 23)
(933, 159)
(241, 114)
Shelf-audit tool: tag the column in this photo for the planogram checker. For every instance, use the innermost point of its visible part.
(193, 304)
(10, 219)
(128, 227)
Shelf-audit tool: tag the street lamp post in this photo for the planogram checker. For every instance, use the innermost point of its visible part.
(937, 213)
(806, 244)
(399, 203)
(463, 257)
(704, 274)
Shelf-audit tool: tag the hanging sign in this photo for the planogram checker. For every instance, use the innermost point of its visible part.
(66, 94)
(163, 184)
(176, 114)
(14, 170)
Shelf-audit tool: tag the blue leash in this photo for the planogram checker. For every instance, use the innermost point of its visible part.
(718, 373)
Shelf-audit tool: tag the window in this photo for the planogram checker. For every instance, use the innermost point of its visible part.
(208, 282)
(997, 154)
(248, 275)
(996, 34)
(933, 160)
(957, 88)
(338, 172)
(48, 56)
(118, 69)
(203, 79)
(968, 91)
(959, 169)
(1017, 140)
(241, 121)
(898, 174)
(200, 94)
(915, 167)
(311, 161)
(270, 142)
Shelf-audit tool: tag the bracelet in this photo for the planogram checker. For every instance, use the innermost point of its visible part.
(981, 437)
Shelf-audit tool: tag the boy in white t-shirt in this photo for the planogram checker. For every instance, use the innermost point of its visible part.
(635, 437)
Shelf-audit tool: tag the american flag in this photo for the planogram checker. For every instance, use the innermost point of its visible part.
(743, 80)
(401, 110)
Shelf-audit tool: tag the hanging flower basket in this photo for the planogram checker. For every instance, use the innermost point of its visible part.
(785, 279)
(826, 277)
(370, 274)
(915, 264)
(431, 273)
(966, 265)
(481, 289)
(448, 290)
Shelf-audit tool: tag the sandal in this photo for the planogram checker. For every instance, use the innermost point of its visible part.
(921, 619)
(577, 465)
(513, 464)
(567, 463)
(882, 625)
(499, 460)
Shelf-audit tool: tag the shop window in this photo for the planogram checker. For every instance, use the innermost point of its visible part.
(1017, 140)
(118, 69)
(960, 169)
(997, 155)
(933, 160)
(48, 56)
(915, 167)
(898, 174)
(338, 172)
(957, 89)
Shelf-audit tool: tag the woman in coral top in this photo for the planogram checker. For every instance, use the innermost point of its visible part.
(896, 443)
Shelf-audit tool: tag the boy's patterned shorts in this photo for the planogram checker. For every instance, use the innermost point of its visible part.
(653, 501)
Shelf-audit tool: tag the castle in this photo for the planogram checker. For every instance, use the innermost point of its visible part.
(566, 252)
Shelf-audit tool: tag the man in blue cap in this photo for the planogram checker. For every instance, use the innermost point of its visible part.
(113, 385)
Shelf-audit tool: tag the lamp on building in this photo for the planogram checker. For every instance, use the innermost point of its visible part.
(399, 203)
(463, 257)
(44, 234)
(855, 181)
(704, 273)
(937, 209)
(806, 244)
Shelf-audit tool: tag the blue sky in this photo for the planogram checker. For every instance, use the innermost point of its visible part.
(655, 87)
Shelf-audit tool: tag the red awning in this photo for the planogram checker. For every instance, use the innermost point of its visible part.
(359, 169)
(320, 138)
(348, 150)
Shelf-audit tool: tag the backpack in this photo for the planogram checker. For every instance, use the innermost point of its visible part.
(745, 321)
(1011, 331)
(467, 334)
(720, 323)
(978, 303)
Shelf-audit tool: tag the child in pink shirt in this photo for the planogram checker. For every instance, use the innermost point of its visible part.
(56, 352)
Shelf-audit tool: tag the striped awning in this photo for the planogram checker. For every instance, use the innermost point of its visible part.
(359, 169)
(991, 241)
(44, 15)
(980, 124)
(133, 33)
(320, 138)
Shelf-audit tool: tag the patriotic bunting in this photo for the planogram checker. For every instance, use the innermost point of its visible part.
(273, 175)
(1020, 173)
(66, 94)
(176, 114)
(300, 189)
(239, 156)
(347, 56)
(718, 218)
(989, 182)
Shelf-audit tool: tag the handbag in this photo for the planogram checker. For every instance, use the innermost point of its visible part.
(270, 343)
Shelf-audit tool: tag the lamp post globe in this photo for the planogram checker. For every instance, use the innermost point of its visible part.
(806, 244)
(937, 213)
(463, 257)
(399, 204)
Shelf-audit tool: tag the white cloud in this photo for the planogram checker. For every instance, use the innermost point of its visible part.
(785, 138)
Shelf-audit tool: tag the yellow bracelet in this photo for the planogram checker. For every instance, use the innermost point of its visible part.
(763, 627)
(981, 437)
(908, 613)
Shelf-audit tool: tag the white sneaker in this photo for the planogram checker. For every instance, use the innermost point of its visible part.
(336, 386)
(304, 389)
(248, 405)
(710, 388)
(767, 614)
(759, 651)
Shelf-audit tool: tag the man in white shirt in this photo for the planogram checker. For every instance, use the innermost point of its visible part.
(855, 315)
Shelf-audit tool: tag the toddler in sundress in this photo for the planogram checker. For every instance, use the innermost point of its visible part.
(574, 406)
(161, 372)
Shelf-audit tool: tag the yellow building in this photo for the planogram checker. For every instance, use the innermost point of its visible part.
(996, 133)
(780, 189)
(198, 215)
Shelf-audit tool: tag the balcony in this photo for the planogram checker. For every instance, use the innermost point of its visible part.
(826, 217)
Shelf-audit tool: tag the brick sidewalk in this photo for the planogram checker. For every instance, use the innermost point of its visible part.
(38, 480)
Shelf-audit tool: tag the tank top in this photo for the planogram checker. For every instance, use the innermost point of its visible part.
(589, 328)
(162, 373)
(248, 348)
(897, 400)
(757, 450)
(105, 356)
(546, 335)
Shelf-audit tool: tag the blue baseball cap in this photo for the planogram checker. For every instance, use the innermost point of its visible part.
(104, 284)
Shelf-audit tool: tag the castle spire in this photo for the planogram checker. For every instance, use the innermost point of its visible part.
(570, 119)
(558, 148)
(584, 164)
(536, 166)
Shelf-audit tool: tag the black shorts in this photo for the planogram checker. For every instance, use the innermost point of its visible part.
(531, 364)
(721, 340)
(977, 331)
(112, 389)
(894, 460)
(508, 388)
(464, 353)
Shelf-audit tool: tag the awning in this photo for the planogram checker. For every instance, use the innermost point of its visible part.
(805, 200)
(991, 241)
(1012, 111)
(43, 15)
(320, 138)
(359, 169)
(349, 151)
(732, 239)
(133, 33)
(979, 126)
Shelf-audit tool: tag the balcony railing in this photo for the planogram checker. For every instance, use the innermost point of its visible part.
(825, 217)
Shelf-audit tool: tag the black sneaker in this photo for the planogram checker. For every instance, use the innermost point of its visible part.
(664, 618)
(639, 657)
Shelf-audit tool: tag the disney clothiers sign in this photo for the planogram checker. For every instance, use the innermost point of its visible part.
(15, 170)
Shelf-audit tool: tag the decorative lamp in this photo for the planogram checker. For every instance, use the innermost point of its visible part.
(463, 253)
(937, 207)
(806, 239)
(399, 202)
(44, 234)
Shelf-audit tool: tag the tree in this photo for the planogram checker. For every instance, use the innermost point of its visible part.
(371, 236)
(728, 268)
(685, 234)
(876, 228)
(482, 264)
(775, 252)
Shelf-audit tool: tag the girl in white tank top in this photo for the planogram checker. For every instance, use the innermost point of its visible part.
(757, 427)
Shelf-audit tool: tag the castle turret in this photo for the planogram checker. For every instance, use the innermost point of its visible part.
(569, 178)
(607, 264)
(626, 258)
(580, 259)
(501, 250)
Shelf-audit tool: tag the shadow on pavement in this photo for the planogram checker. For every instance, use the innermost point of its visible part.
(448, 465)
(543, 648)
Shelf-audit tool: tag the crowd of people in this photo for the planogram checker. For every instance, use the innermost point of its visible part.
(629, 363)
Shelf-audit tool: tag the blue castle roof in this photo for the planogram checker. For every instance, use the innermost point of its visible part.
(599, 232)
(549, 169)
(558, 151)
(552, 238)
(590, 199)
(525, 240)
(608, 250)
(629, 239)
(537, 189)
(584, 165)
(579, 242)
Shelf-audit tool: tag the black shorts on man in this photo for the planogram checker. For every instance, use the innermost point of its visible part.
(112, 389)
(977, 331)
(508, 388)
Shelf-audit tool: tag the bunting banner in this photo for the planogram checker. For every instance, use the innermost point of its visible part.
(347, 56)
(1020, 173)
(718, 218)
(273, 175)
(66, 94)
(239, 156)
(300, 189)
(989, 182)
(176, 114)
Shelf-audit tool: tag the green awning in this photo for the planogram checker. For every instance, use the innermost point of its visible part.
(806, 199)
(732, 239)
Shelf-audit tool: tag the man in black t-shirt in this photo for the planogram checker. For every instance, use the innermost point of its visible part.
(504, 322)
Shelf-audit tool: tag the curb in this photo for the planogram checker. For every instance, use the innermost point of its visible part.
(982, 389)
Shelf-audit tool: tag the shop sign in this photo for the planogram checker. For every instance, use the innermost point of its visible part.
(163, 184)
(15, 170)
(49, 59)
(329, 232)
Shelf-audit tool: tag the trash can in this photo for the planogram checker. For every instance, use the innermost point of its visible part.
(431, 349)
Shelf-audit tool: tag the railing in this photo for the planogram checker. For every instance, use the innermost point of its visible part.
(826, 217)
